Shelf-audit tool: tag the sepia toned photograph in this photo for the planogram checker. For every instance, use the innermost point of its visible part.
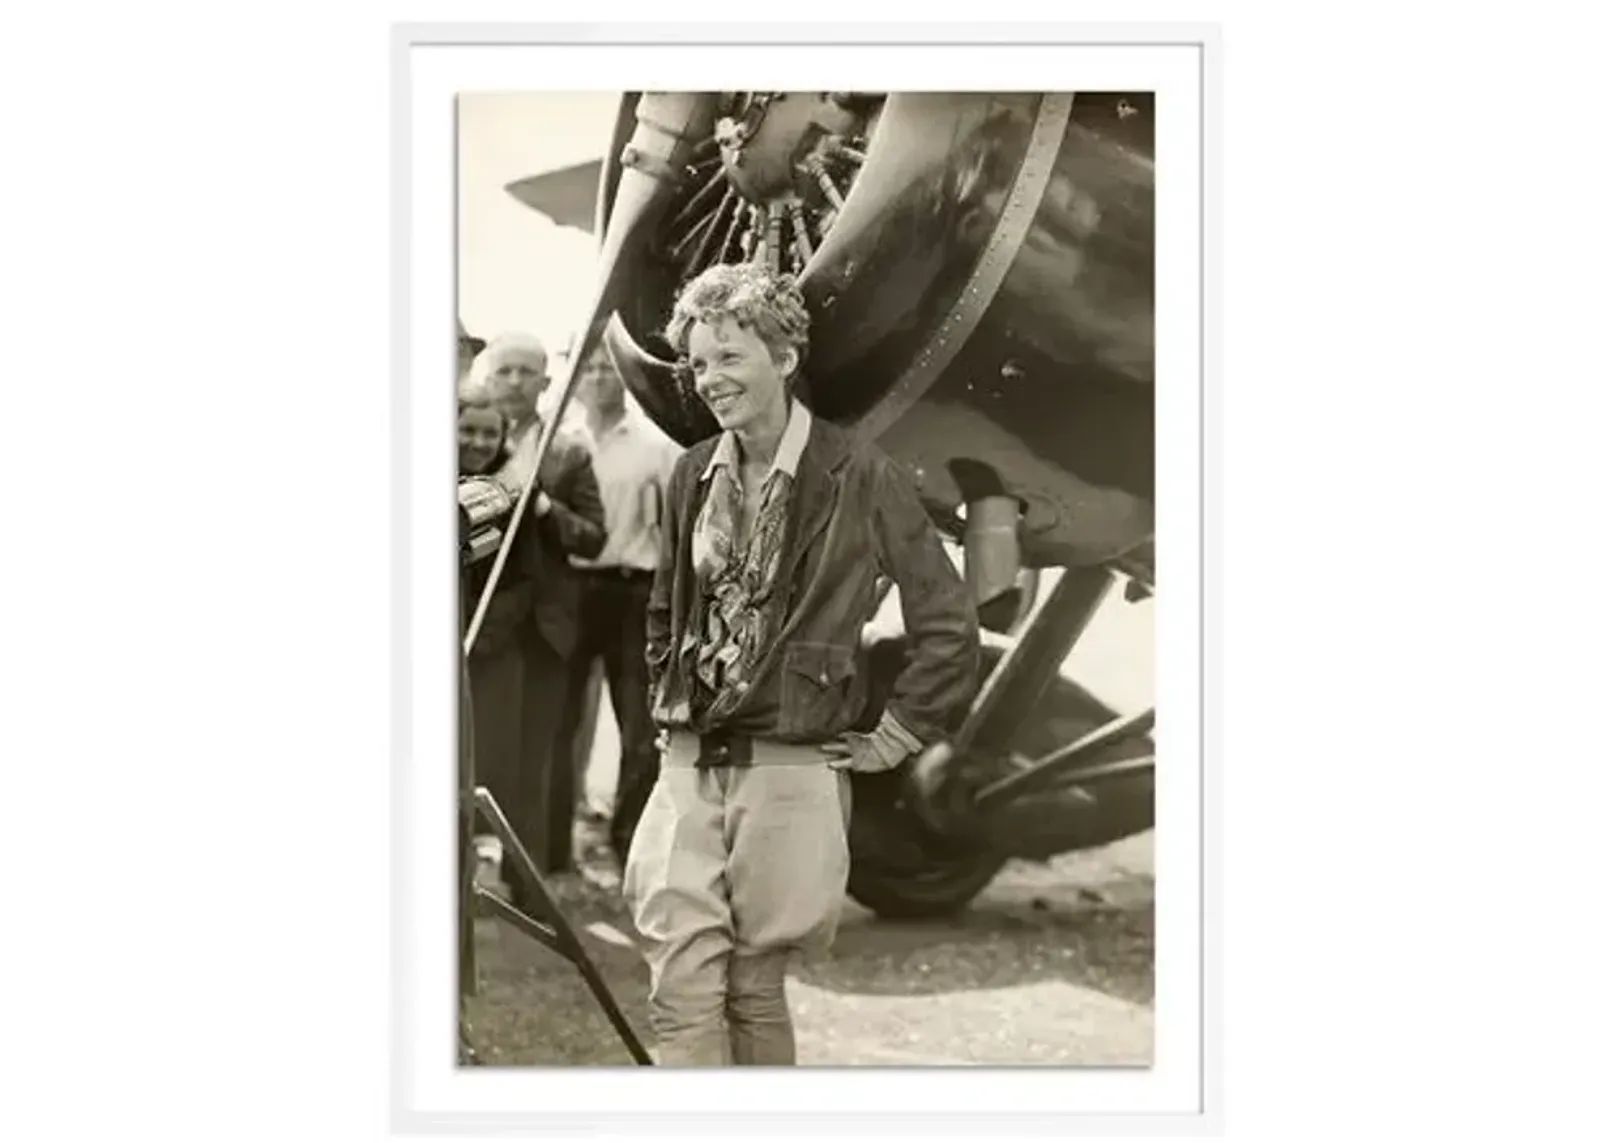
(806, 453)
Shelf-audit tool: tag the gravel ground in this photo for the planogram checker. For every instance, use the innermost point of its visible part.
(1051, 965)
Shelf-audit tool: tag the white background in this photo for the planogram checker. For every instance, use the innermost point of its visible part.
(197, 618)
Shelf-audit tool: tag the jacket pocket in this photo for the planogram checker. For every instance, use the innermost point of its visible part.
(816, 689)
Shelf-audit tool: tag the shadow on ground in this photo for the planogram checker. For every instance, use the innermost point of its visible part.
(1051, 965)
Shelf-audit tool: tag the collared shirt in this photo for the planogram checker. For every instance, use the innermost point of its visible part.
(517, 471)
(632, 461)
(737, 557)
(793, 442)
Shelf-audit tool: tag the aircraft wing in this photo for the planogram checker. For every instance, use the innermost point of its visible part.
(567, 195)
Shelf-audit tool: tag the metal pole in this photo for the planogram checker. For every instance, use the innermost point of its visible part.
(1058, 764)
(466, 855)
(562, 938)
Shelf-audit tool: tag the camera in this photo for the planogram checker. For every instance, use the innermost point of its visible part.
(483, 506)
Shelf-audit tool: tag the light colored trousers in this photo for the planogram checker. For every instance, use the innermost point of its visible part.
(731, 874)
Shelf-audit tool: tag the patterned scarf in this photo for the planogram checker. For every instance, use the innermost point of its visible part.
(744, 603)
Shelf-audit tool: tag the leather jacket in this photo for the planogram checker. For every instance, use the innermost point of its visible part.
(855, 518)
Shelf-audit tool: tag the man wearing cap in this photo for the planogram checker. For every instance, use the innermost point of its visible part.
(467, 349)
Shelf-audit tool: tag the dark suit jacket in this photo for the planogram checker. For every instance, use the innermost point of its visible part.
(538, 590)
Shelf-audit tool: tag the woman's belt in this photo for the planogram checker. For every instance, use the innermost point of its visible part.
(720, 750)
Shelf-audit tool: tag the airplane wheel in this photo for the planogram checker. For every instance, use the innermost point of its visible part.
(898, 869)
(901, 870)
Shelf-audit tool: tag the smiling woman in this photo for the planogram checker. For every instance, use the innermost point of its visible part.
(773, 535)
(744, 334)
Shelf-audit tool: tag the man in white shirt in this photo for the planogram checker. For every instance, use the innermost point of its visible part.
(632, 461)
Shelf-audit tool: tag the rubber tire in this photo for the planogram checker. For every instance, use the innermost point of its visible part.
(898, 869)
(924, 898)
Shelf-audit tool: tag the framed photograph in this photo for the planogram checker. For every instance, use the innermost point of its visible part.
(780, 687)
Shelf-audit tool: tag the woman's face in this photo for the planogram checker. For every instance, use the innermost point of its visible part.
(736, 374)
(479, 435)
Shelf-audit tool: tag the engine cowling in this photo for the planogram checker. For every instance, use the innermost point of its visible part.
(979, 266)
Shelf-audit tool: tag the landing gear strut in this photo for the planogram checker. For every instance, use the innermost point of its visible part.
(1040, 767)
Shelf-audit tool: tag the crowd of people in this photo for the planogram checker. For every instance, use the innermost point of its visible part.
(725, 588)
(572, 593)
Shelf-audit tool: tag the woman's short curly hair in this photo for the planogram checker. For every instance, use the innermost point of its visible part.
(770, 305)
